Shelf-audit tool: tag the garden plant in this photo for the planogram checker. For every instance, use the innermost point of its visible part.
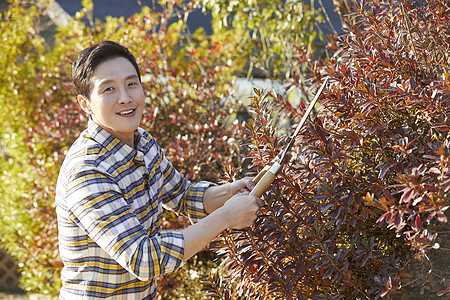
(360, 208)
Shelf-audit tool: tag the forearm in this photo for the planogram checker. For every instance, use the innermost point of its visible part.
(199, 235)
(216, 196)
(238, 212)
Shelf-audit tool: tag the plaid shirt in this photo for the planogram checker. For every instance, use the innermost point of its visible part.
(109, 200)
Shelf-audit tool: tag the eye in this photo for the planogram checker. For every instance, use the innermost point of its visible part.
(133, 83)
(108, 89)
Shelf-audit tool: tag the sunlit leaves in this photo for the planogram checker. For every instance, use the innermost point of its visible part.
(266, 32)
(189, 101)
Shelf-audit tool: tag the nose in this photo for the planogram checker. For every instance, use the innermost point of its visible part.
(124, 96)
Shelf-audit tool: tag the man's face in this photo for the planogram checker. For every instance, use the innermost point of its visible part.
(117, 99)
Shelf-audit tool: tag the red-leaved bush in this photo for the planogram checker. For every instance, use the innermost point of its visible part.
(359, 210)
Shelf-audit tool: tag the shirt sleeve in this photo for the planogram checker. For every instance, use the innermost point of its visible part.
(96, 204)
(181, 195)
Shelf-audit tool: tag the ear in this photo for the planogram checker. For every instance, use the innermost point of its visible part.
(84, 104)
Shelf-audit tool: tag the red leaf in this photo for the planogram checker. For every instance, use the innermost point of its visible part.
(441, 217)
(397, 220)
(407, 196)
(431, 216)
(418, 222)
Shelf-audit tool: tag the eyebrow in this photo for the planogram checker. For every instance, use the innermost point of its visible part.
(132, 76)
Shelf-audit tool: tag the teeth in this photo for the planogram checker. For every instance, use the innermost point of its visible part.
(126, 112)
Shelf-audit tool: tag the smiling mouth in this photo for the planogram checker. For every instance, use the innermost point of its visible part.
(126, 112)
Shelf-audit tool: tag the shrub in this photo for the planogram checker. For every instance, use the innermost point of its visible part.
(359, 210)
(26, 218)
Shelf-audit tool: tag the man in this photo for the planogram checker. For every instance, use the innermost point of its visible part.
(113, 184)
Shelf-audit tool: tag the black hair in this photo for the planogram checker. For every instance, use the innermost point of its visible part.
(89, 59)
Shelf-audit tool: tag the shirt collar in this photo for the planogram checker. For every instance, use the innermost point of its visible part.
(112, 144)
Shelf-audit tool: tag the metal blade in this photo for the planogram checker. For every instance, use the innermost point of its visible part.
(303, 120)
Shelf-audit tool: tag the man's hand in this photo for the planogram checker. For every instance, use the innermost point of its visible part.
(241, 210)
(216, 196)
(242, 185)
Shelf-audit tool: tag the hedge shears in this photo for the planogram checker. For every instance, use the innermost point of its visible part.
(267, 175)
